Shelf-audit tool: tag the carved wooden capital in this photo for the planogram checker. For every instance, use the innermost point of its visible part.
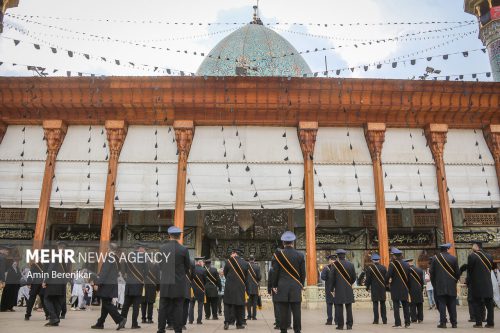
(184, 133)
(436, 139)
(54, 131)
(3, 129)
(116, 131)
(492, 136)
(307, 137)
(375, 137)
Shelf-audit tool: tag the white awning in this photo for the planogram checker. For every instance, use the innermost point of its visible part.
(11, 168)
(336, 173)
(470, 170)
(409, 170)
(216, 156)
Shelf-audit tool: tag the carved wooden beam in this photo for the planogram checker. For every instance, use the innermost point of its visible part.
(492, 136)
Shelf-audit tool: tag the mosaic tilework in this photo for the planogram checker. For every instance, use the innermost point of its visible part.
(253, 50)
(494, 52)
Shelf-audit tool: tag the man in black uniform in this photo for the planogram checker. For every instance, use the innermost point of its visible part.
(253, 283)
(375, 283)
(288, 281)
(328, 293)
(198, 281)
(479, 266)
(173, 281)
(444, 274)
(398, 278)
(151, 286)
(342, 276)
(235, 271)
(106, 287)
(416, 292)
(55, 287)
(134, 283)
(212, 287)
(35, 285)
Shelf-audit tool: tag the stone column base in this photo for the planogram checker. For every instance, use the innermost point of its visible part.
(311, 299)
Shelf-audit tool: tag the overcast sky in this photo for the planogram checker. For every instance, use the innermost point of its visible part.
(79, 29)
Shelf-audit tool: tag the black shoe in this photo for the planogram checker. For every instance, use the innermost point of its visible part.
(384, 322)
(249, 318)
(62, 317)
(143, 321)
(170, 328)
(375, 322)
(349, 327)
(254, 318)
(226, 326)
(339, 328)
(328, 323)
(441, 326)
(396, 326)
(190, 323)
(453, 325)
(276, 327)
(135, 327)
(240, 327)
(121, 324)
(413, 321)
(26, 317)
(51, 324)
(150, 321)
(489, 326)
(477, 326)
(97, 327)
(184, 328)
(215, 318)
(198, 322)
(420, 321)
(407, 325)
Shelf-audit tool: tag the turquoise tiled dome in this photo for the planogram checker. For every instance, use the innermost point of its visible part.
(253, 50)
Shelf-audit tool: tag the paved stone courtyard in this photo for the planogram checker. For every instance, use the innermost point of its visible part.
(312, 321)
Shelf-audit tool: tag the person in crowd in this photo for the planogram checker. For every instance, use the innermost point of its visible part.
(35, 283)
(397, 278)
(253, 284)
(429, 288)
(325, 273)
(375, 283)
(221, 291)
(479, 267)
(416, 292)
(198, 281)
(24, 291)
(151, 285)
(288, 281)
(235, 271)
(11, 289)
(212, 287)
(342, 277)
(55, 289)
(121, 291)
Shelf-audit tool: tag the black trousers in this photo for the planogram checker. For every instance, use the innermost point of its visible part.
(34, 292)
(219, 304)
(285, 308)
(406, 312)
(53, 304)
(447, 302)
(329, 313)
(479, 304)
(211, 307)
(107, 307)
(383, 311)
(147, 310)
(339, 312)
(234, 313)
(170, 308)
(252, 306)
(135, 302)
(191, 310)
(417, 312)
(185, 311)
(64, 305)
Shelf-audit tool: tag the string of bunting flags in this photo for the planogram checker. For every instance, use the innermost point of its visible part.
(153, 21)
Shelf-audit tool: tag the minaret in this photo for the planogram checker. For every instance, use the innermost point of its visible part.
(488, 14)
(4, 4)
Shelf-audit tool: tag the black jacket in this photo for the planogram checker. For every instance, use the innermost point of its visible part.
(479, 265)
(342, 276)
(198, 282)
(417, 284)
(375, 281)
(325, 273)
(2, 268)
(270, 283)
(56, 285)
(444, 274)
(134, 275)
(234, 292)
(289, 290)
(212, 282)
(152, 282)
(253, 279)
(107, 282)
(399, 283)
(173, 275)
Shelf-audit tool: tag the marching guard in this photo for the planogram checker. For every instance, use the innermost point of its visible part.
(416, 292)
(328, 293)
(398, 278)
(198, 282)
(253, 280)
(375, 283)
(151, 285)
(342, 277)
(479, 266)
(173, 282)
(55, 289)
(444, 274)
(36, 289)
(235, 271)
(288, 281)
(212, 287)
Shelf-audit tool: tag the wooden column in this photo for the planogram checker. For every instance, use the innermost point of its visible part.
(3, 130)
(436, 139)
(307, 137)
(492, 135)
(54, 131)
(375, 136)
(116, 131)
(184, 133)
